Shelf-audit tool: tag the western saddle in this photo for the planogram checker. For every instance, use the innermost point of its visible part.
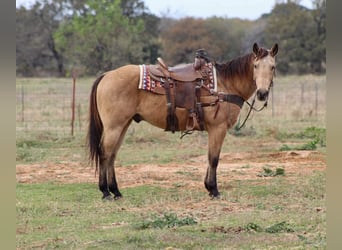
(184, 85)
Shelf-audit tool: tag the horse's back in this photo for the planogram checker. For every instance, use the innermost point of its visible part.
(117, 92)
(121, 76)
(119, 82)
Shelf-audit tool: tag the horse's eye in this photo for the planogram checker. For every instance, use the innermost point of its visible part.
(255, 66)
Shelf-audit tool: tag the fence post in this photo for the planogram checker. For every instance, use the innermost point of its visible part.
(302, 95)
(73, 104)
(79, 116)
(316, 99)
(22, 104)
(272, 102)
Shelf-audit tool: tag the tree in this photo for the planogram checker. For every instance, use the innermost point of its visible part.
(181, 40)
(35, 46)
(221, 37)
(319, 53)
(255, 33)
(25, 35)
(293, 27)
(227, 37)
(110, 34)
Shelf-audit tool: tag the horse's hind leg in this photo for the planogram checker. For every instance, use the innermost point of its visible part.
(112, 184)
(111, 143)
(103, 185)
(107, 179)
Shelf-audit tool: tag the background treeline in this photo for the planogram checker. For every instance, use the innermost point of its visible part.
(87, 37)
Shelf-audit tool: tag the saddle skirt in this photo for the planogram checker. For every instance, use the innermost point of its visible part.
(151, 78)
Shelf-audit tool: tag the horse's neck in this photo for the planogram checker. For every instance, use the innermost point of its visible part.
(239, 77)
(242, 83)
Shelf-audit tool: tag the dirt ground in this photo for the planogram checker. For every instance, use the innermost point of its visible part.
(232, 166)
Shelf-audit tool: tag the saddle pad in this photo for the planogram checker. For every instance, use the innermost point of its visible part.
(150, 84)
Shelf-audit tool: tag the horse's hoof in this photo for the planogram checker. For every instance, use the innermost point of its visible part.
(107, 198)
(118, 197)
(215, 196)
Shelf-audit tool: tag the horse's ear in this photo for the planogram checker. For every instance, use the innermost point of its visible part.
(274, 50)
(255, 49)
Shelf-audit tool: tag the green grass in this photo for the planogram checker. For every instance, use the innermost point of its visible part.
(72, 216)
(40, 147)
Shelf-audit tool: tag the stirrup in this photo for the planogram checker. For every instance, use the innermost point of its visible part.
(191, 123)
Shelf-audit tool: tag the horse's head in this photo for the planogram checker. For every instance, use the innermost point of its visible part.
(264, 69)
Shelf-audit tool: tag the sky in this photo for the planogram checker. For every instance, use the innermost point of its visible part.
(244, 9)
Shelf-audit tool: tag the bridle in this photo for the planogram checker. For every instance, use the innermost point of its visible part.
(251, 106)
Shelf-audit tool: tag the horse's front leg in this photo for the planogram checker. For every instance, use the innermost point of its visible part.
(216, 135)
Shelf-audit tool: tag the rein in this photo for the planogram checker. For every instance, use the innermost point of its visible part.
(251, 107)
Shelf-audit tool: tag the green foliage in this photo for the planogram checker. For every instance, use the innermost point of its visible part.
(285, 147)
(267, 172)
(315, 133)
(302, 46)
(279, 171)
(317, 136)
(281, 227)
(107, 36)
(91, 37)
(311, 145)
(253, 227)
(36, 52)
(168, 220)
(221, 37)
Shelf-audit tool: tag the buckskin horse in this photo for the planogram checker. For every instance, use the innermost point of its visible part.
(116, 100)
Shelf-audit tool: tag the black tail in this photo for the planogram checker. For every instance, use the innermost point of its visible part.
(95, 127)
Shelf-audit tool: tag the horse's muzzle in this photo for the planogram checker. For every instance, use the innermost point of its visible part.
(262, 94)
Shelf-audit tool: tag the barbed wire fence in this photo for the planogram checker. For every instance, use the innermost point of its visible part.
(52, 105)
(60, 105)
